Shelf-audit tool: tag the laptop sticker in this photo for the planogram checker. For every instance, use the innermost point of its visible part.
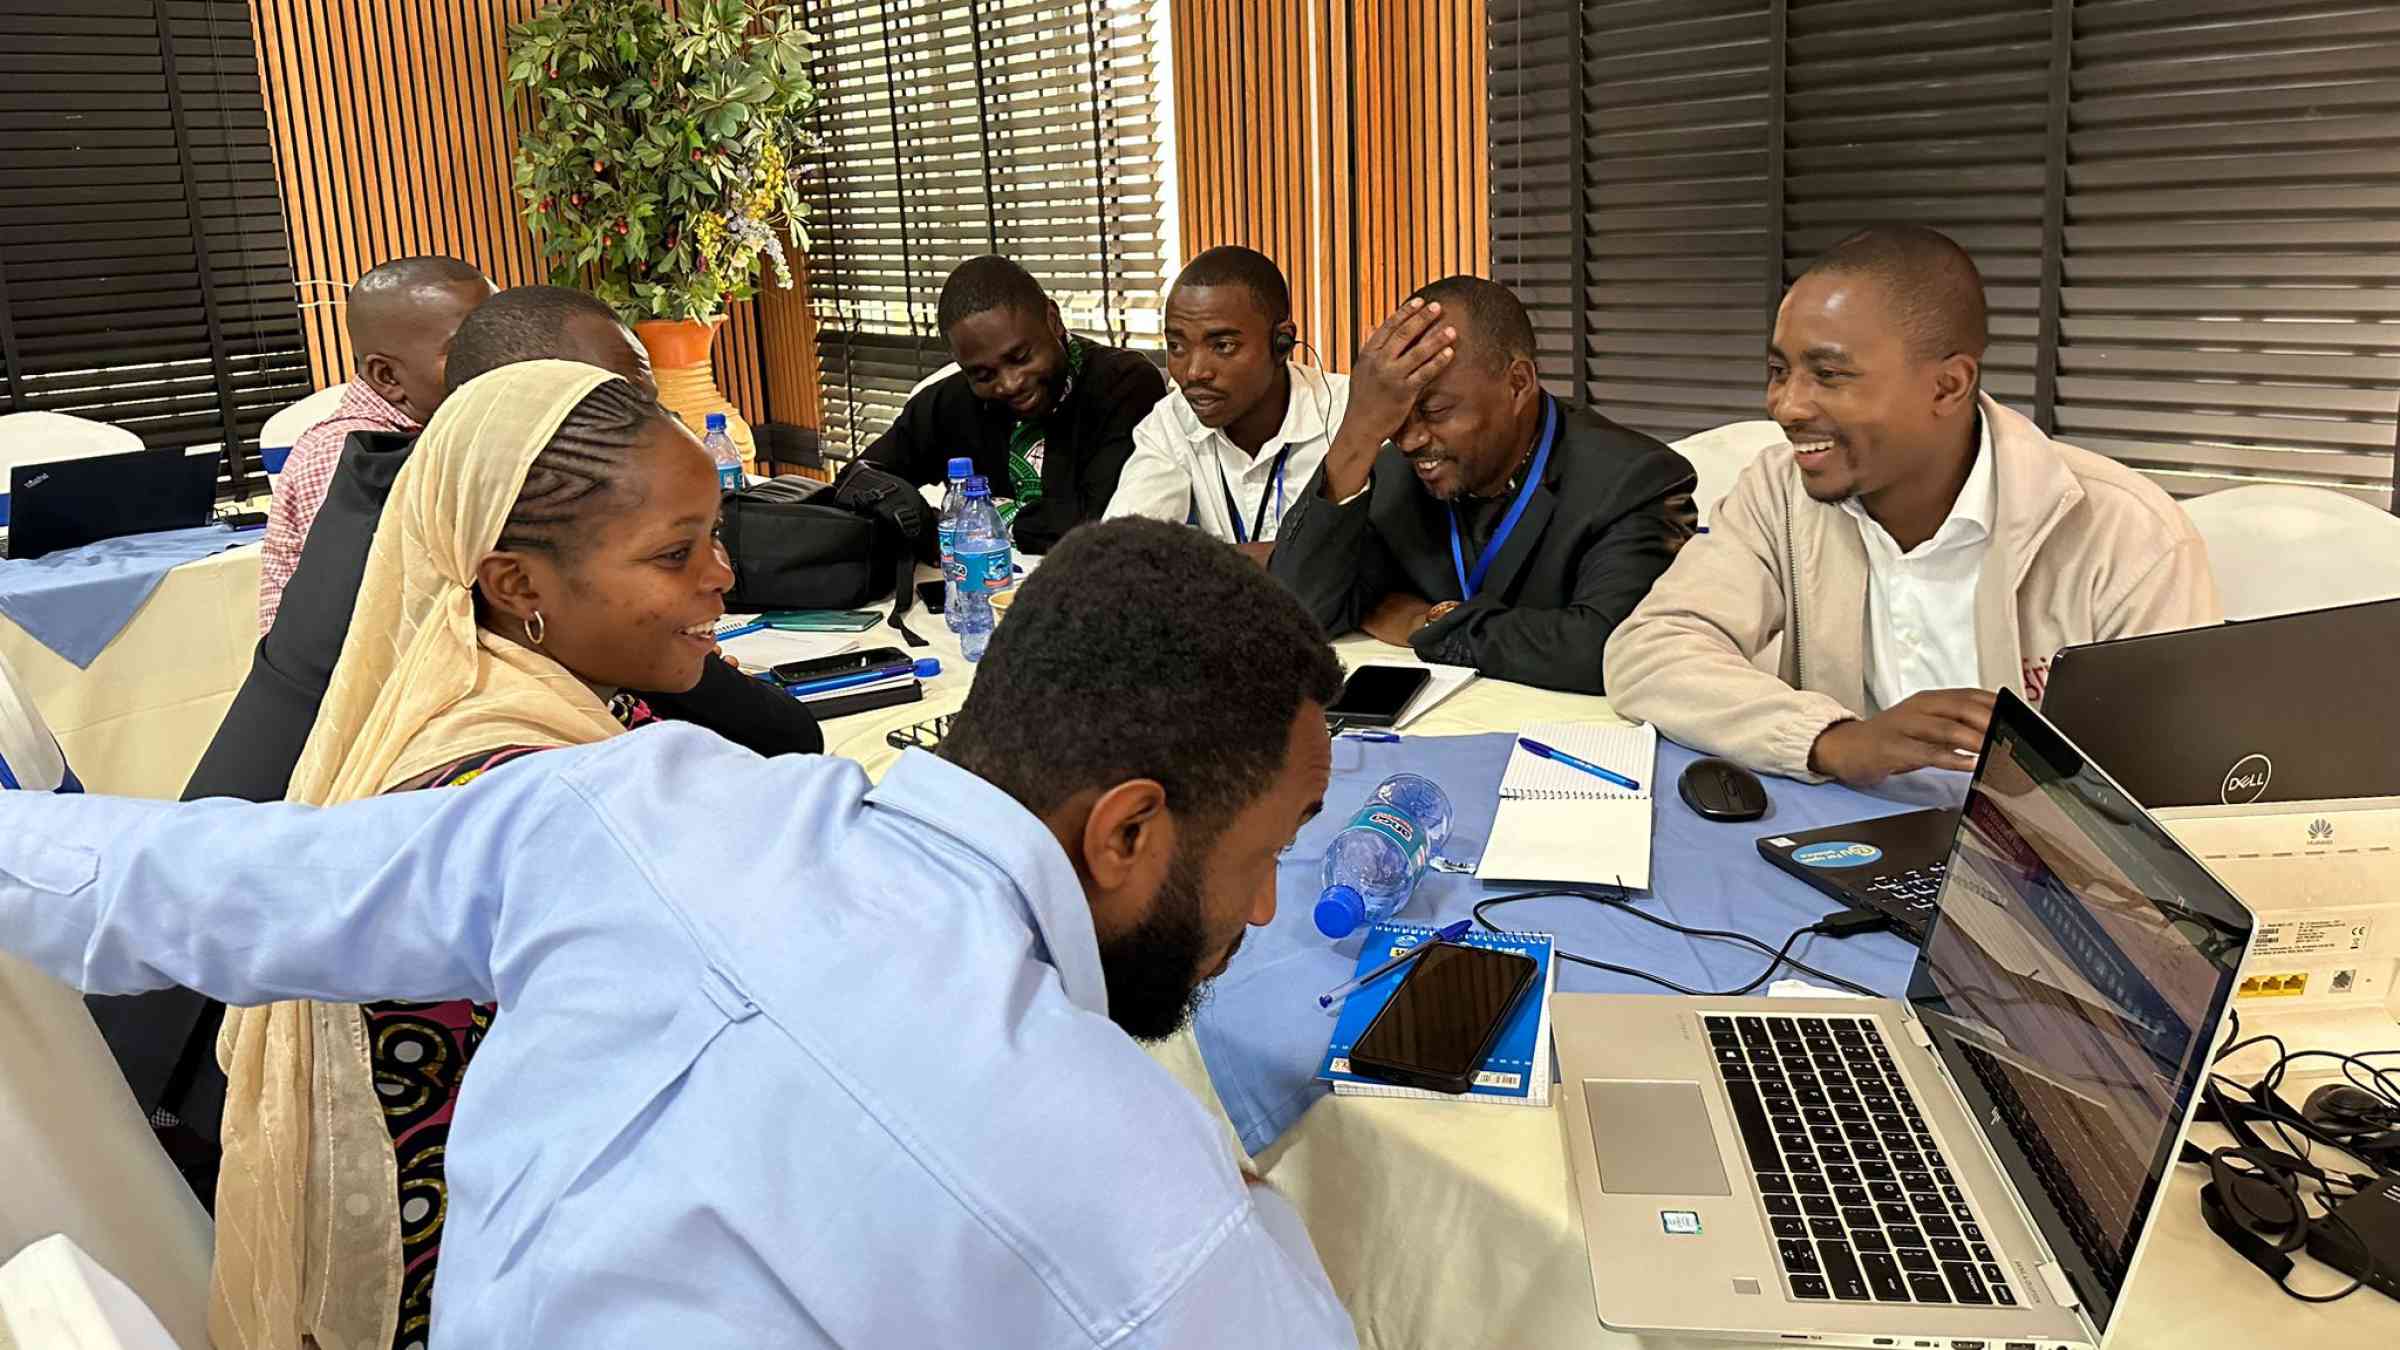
(1837, 853)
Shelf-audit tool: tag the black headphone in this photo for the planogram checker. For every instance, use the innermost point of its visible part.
(1281, 343)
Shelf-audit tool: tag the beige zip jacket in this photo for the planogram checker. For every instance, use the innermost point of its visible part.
(2083, 549)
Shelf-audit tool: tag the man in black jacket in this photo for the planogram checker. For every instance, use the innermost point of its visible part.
(1046, 415)
(1466, 514)
(165, 1041)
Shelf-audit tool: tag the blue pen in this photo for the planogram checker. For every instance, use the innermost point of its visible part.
(924, 669)
(1447, 933)
(742, 630)
(1377, 737)
(1562, 757)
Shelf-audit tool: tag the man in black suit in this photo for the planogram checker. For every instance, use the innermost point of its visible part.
(1466, 514)
(165, 1041)
(1046, 415)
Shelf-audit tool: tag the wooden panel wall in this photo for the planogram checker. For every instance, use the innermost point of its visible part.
(393, 137)
(1344, 139)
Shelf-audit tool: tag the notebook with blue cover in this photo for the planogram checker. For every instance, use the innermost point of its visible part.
(1517, 1073)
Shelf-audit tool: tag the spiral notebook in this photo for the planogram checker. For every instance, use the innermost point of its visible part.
(1561, 825)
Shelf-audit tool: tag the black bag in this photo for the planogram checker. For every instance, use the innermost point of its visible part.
(796, 544)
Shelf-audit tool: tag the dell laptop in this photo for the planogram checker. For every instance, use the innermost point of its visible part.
(2224, 715)
(1980, 1162)
(68, 503)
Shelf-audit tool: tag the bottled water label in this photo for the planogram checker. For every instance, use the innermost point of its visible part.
(948, 532)
(729, 478)
(991, 570)
(1397, 827)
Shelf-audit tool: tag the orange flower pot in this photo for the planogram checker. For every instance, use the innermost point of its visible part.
(687, 383)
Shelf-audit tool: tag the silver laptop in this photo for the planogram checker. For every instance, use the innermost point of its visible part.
(1979, 1163)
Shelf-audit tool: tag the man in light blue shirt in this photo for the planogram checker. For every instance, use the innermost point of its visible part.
(784, 1058)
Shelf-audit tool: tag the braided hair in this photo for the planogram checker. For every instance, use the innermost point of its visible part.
(585, 463)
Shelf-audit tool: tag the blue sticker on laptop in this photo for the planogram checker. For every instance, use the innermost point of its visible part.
(1836, 853)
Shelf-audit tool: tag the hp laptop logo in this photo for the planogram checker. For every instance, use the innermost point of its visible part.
(2247, 782)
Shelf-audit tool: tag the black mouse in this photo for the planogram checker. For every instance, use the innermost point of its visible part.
(1718, 789)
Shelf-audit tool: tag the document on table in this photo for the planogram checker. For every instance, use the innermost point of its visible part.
(775, 646)
(1558, 824)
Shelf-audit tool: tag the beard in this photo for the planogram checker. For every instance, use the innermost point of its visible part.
(1153, 970)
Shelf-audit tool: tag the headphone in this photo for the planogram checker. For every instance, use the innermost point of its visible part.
(1281, 344)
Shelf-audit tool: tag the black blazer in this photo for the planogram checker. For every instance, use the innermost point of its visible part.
(1088, 438)
(162, 1039)
(1613, 507)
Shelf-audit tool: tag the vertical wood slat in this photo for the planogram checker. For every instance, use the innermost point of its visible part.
(393, 137)
(1366, 175)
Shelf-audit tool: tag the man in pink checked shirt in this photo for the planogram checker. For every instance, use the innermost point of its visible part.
(401, 316)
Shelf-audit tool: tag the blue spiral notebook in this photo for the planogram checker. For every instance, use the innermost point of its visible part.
(1517, 1073)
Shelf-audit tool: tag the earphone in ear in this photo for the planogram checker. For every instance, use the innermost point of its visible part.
(1282, 344)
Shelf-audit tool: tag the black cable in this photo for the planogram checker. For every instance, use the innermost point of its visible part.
(1620, 901)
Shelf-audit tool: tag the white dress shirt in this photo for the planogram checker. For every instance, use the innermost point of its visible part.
(783, 1059)
(1182, 470)
(1921, 603)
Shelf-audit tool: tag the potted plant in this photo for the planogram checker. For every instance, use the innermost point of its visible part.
(661, 169)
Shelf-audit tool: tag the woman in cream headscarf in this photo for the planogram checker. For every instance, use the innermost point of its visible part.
(550, 542)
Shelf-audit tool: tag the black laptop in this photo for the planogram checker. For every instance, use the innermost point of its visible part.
(72, 502)
(2286, 708)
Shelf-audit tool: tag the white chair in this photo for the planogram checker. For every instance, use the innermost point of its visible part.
(948, 369)
(275, 439)
(1720, 454)
(2278, 549)
(41, 437)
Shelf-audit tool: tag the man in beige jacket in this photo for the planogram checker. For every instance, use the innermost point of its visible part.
(1914, 544)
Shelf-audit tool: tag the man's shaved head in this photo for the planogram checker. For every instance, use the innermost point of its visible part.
(1932, 286)
(401, 315)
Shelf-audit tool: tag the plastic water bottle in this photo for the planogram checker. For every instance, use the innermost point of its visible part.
(1374, 864)
(727, 455)
(960, 471)
(980, 551)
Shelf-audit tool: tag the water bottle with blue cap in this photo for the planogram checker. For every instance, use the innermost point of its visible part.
(953, 501)
(1374, 864)
(728, 456)
(982, 562)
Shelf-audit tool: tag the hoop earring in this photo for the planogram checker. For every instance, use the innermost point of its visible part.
(535, 629)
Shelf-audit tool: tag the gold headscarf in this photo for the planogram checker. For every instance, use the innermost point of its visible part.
(308, 1223)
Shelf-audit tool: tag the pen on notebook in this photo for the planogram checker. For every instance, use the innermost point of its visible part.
(1378, 737)
(741, 630)
(1562, 757)
(1447, 933)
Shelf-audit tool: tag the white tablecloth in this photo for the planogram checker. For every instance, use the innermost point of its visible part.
(136, 722)
(1445, 1225)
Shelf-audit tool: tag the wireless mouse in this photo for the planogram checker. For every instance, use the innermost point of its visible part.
(1719, 789)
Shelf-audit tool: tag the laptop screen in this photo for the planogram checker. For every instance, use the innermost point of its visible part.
(2073, 982)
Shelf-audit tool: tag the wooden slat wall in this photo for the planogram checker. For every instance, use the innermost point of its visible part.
(393, 138)
(1344, 139)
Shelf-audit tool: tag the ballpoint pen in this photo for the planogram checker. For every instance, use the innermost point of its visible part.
(1447, 933)
(1562, 757)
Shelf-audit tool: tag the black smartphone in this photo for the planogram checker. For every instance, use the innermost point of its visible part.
(848, 663)
(1442, 1020)
(933, 594)
(1375, 696)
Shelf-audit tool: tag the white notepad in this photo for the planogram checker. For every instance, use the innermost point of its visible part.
(1561, 825)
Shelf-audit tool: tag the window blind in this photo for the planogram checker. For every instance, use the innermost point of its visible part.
(2184, 211)
(1035, 130)
(145, 275)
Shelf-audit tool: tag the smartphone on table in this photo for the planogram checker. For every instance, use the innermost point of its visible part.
(890, 659)
(1375, 696)
(1442, 1021)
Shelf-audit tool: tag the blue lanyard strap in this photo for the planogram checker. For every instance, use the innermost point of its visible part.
(1233, 512)
(1471, 582)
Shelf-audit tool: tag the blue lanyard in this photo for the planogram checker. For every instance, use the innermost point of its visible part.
(1258, 523)
(1469, 583)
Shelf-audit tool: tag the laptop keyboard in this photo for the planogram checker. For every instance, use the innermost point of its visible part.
(2064, 1190)
(1911, 896)
(1861, 1204)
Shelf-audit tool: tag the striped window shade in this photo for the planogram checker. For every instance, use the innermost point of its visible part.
(145, 270)
(2185, 213)
(1035, 130)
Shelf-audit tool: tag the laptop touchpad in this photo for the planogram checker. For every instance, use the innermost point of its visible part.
(1653, 1138)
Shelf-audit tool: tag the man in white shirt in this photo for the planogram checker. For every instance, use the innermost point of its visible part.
(1245, 427)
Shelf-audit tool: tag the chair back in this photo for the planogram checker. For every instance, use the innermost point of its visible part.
(283, 429)
(1720, 454)
(2277, 548)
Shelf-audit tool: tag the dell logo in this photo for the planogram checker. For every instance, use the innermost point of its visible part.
(2320, 830)
(2247, 782)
